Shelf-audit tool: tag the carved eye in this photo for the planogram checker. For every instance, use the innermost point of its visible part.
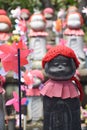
(56, 64)
(65, 64)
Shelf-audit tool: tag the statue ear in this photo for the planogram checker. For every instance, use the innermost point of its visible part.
(46, 67)
(73, 65)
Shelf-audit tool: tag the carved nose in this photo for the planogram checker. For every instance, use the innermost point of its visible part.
(60, 67)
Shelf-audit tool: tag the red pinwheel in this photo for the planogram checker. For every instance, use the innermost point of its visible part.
(15, 101)
(28, 76)
(9, 55)
(22, 25)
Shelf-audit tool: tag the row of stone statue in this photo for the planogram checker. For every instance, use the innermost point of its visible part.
(40, 32)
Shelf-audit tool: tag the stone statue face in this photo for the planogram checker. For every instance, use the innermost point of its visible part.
(48, 16)
(4, 27)
(74, 21)
(61, 14)
(37, 23)
(60, 68)
(24, 16)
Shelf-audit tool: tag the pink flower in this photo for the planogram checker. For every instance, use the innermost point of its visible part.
(9, 56)
(15, 102)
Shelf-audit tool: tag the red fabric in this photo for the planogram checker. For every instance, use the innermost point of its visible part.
(5, 19)
(61, 89)
(79, 87)
(48, 10)
(33, 92)
(76, 32)
(60, 50)
(3, 12)
(25, 11)
(4, 36)
(39, 33)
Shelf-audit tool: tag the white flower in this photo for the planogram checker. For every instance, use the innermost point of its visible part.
(16, 21)
(84, 10)
(16, 13)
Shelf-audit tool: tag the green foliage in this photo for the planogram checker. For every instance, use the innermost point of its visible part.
(72, 2)
(31, 4)
(12, 4)
(63, 3)
(57, 4)
(85, 36)
(8, 5)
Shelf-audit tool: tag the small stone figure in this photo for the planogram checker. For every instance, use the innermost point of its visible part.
(21, 22)
(62, 91)
(35, 97)
(49, 14)
(74, 35)
(33, 79)
(25, 14)
(59, 25)
(5, 26)
(72, 9)
(37, 39)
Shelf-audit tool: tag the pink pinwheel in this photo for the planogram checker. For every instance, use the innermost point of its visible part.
(15, 101)
(28, 78)
(9, 56)
(62, 42)
(24, 88)
(22, 25)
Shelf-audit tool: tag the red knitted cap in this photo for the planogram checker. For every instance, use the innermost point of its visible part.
(48, 10)
(25, 11)
(5, 19)
(3, 12)
(59, 50)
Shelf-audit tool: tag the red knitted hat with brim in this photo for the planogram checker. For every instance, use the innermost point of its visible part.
(3, 12)
(25, 11)
(48, 10)
(5, 19)
(60, 50)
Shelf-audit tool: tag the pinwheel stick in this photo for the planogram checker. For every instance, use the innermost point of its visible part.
(19, 85)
